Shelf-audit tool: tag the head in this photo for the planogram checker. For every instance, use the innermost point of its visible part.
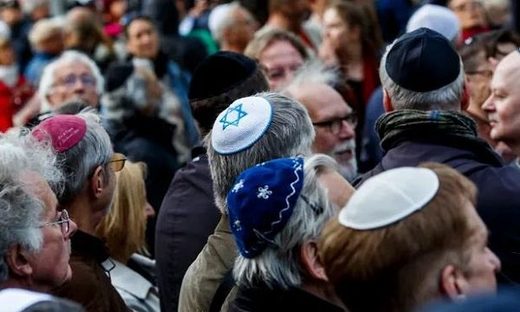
(232, 26)
(142, 39)
(35, 236)
(438, 18)
(344, 23)
(10, 12)
(430, 241)
(498, 12)
(469, 12)
(85, 158)
(7, 53)
(83, 32)
(280, 53)
(403, 76)
(503, 105)
(37, 9)
(333, 119)
(46, 36)
(73, 76)
(294, 11)
(286, 255)
(287, 132)
(130, 210)
(211, 92)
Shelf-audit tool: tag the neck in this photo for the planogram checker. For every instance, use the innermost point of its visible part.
(324, 291)
(279, 21)
(82, 212)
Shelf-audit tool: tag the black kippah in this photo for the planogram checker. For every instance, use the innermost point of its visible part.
(422, 60)
(219, 73)
(116, 75)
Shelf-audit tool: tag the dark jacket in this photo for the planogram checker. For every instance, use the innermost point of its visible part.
(272, 300)
(90, 284)
(187, 217)
(498, 202)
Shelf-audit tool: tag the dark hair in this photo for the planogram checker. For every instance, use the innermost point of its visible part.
(134, 18)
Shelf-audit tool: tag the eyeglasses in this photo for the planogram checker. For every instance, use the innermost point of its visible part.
(335, 125)
(70, 80)
(63, 221)
(117, 162)
(482, 72)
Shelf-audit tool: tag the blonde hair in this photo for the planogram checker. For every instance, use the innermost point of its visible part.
(124, 226)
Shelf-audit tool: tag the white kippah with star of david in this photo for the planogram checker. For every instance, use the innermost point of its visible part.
(241, 125)
(389, 197)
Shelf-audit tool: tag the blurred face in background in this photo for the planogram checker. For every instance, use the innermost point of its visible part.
(142, 39)
(469, 12)
(73, 82)
(280, 60)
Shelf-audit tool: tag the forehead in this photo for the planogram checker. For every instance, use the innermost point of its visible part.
(37, 185)
(323, 102)
(338, 189)
(280, 51)
(73, 67)
(507, 74)
(138, 26)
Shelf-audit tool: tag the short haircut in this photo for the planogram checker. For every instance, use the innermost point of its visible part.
(42, 30)
(67, 57)
(396, 267)
(264, 39)
(221, 18)
(20, 210)
(279, 266)
(290, 133)
(126, 213)
(448, 97)
(313, 72)
(78, 163)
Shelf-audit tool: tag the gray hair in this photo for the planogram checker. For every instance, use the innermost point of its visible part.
(42, 30)
(221, 18)
(280, 266)
(291, 133)
(448, 97)
(20, 210)
(313, 72)
(77, 164)
(67, 57)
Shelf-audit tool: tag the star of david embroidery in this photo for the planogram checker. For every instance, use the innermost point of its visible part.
(264, 192)
(238, 186)
(237, 225)
(232, 116)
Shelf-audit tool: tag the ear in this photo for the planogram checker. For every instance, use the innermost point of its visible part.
(97, 182)
(311, 261)
(387, 102)
(464, 103)
(452, 282)
(17, 261)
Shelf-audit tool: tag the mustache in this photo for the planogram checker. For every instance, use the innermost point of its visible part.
(347, 145)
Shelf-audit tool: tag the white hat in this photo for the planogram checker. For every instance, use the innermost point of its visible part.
(435, 17)
(241, 125)
(389, 197)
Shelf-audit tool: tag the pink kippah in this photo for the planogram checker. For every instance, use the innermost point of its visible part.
(64, 131)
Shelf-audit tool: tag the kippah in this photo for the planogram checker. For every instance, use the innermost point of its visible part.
(422, 60)
(241, 125)
(64, 131)
(219, 73)
(435, 17)
(389, 197)
(262, 201)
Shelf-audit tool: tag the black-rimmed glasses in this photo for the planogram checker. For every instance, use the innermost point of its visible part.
(335, 125)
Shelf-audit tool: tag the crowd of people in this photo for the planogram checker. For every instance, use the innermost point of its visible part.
(205, 155)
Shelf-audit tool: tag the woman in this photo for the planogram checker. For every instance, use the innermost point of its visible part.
(124, 231)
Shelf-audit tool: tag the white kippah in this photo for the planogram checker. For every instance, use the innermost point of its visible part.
(241, 125)
(389, 197)
(435, 17)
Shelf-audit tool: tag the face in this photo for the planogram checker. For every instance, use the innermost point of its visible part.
(73, 83)
(7, 56)
(280, 60)
(483, 264)
(326, 107)
(143, 40)
(243, 29)
(503, 105)
(336, 31)
(296, 10)
(469, 12)
(478, 84)
(51, 264)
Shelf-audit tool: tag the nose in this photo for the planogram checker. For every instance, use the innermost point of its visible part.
(488, 105)
(73, 227)
(347, 130)
(494, 261)
(148, 210)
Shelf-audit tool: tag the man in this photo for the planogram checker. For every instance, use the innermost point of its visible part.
(333, 119)
(71, 77)
(431, 244)
(142, 43)
(277, 210)
(250, 131)
(503, 105)
(425, 123)
(232, 26)
(188, 214)
(35, 235)
(85, 156)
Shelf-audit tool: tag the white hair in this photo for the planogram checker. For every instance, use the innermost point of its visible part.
(67, 57)
(279, 265)
(21, 210)
(221, 18)
(313, 72)
(43, 29)
(291, 133)
(448, 97)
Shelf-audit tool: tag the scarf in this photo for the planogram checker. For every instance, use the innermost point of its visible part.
(409, 123)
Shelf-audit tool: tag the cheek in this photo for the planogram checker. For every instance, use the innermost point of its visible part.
(324, 142)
